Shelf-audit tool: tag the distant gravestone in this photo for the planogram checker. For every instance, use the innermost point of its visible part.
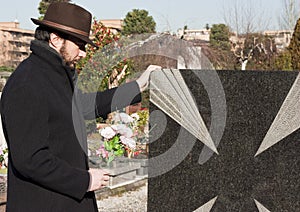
(253, 118)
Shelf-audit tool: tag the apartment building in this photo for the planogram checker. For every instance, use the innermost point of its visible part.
(282, 38)
(14, 43)
(194, 34)
(115, 25)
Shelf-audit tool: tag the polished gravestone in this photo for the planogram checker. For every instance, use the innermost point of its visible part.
(253, 117)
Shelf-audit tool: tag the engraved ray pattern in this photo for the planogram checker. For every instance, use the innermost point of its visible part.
(169, 92)
(207, 206)
(287, 119)
(260, 207)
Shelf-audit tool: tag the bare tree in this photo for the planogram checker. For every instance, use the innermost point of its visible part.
(246, 19)
(256, 47)
(290, 14)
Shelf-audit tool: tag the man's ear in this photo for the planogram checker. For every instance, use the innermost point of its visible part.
(55, 41)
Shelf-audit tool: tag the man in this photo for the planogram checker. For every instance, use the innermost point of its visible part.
(43, 118)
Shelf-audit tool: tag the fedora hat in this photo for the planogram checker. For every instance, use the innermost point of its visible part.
(68, 18)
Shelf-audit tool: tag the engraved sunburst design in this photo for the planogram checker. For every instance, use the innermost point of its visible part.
(171, 95)
(207, 206)
(286, 121)
(260, 207)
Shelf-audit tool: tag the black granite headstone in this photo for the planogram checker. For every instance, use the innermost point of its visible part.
(239, 180)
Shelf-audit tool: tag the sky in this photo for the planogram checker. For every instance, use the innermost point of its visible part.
(169, 15)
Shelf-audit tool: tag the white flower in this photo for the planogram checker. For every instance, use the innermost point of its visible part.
(116, 117)
(135, 116)
(128, 142)
(123, 117)
(108, 132)
(122, 129)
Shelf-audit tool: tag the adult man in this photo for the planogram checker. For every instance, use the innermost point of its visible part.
(43, 118)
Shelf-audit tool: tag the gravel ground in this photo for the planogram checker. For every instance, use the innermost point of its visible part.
(131, 201)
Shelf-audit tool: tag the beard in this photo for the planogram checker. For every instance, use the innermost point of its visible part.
(66, 57)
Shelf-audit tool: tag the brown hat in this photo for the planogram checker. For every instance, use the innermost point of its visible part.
(69, 19)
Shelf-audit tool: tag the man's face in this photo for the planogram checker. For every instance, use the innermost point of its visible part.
(72, 51)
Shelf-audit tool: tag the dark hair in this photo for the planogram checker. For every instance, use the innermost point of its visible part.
(42, 33)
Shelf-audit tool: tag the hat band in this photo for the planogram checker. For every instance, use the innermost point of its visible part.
(71, 29)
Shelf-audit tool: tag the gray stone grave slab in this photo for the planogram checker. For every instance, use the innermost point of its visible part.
(142, 164)
(121, 170)
(123, 174)
(258, 165)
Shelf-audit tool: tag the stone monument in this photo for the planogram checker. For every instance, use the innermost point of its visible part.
(253, 164)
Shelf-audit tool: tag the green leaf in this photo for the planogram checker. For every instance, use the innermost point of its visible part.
(119, 152)
(115, 139)
(107, 146)
(117, 146)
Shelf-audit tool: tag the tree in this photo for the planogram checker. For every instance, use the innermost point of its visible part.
(220, 59)
(207, 27)
(219, 36)
(248, 21)
(283, 61)
(256, 48)
(245, 17)
(103, 67)
(6, 69)
(289, 15)
(138, 22)
(294, 47)
(218, 50)
(44, 4)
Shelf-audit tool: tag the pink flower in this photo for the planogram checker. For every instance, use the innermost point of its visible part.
(101, 151)
(108, 132)
(128, 142)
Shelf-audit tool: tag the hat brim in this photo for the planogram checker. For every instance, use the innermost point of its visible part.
(81, 37)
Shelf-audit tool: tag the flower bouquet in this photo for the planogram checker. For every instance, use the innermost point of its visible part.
(119, 138)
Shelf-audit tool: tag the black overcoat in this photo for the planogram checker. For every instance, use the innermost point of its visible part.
(43, 123)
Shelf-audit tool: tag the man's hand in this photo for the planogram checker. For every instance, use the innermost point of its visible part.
(99, 178)
(143, 80)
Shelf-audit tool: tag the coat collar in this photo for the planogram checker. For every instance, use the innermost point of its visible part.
(43, 50)
(46, 53)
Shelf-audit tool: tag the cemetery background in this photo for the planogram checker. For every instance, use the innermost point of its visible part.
(127, 178)
(219, 56)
